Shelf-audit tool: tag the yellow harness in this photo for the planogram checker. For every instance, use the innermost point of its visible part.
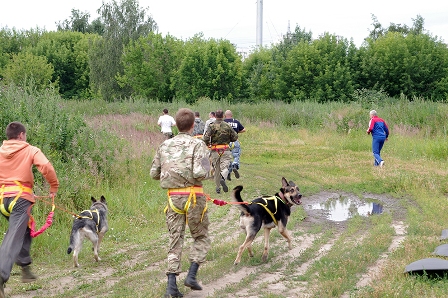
(91, 216)
(191, 191)
(9, 190)
(265, 206)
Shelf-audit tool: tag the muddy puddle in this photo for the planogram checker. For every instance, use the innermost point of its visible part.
(340, 207)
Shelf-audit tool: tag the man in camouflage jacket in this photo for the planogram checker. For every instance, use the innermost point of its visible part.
(181, 164)
(218, 136)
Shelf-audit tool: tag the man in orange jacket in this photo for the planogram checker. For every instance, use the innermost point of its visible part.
(16, 199)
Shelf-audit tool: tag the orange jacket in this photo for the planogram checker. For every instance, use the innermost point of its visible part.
(16, 161)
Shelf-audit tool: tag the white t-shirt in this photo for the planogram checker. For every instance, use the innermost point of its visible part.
(165, 122)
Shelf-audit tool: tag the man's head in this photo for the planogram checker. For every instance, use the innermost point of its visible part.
(184, 120)
(196, 114)
(14, 129)
(212, 115)
(165, 111)
(219, 114)
(228, 114)
(373, 113)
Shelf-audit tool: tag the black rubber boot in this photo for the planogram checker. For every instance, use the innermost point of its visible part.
(172, 290)
(190, 281)
(27, 275)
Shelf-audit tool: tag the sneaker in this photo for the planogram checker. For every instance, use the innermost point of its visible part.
(218, 190)
(382, 163)
(235, 171)
(224, 185)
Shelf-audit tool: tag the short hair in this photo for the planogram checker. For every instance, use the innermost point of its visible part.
(213, 114)
(184, 119)
(219, 114)
(165, 111)
(14, 129)
(196, 114)
(228, 113)
(373, 113)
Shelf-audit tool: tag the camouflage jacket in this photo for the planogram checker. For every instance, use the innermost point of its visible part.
(199, 126)
(219, 133)
(181, 162)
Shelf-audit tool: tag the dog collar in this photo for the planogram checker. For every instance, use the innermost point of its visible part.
(281, 197)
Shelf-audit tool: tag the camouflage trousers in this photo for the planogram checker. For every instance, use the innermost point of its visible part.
(221, 165)
(197, 221)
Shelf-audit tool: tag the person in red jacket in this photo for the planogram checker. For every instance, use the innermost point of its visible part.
(380, 133)
(16, 199)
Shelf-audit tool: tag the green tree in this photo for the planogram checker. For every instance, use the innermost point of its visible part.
(210, 68)
(123, 22)
(150, 64)
(259, 75)
(27, 68)
(378, 30)
(79, 22)
(67, 52)
(320, 71)
(415, 65)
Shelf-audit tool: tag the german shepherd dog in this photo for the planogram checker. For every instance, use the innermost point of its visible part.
(90, 224)
(266, 212)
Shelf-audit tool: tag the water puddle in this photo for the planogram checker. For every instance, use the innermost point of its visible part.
(344, 208)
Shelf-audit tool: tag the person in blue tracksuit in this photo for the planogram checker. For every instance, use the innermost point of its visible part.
(380, 133)
(235, 146)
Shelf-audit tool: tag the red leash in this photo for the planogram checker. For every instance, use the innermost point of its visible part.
(222, 203)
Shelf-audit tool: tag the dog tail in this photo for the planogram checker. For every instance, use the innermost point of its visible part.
(237, 197)
(72, 239)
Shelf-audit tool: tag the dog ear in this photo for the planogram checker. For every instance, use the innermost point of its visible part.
(284, 182)
(103, 199)
(292, 183)
(93, 199)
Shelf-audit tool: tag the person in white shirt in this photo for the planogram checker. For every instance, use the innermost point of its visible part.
(211, 120)
(166, 122)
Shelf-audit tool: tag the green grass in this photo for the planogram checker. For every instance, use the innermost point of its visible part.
(320, 147)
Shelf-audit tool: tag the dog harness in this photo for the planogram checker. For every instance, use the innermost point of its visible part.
(84, 213)
(10, 190)
(191, 191)
(265, 206)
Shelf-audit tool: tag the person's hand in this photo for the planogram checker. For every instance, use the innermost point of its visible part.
(368, 132)
(52, 195)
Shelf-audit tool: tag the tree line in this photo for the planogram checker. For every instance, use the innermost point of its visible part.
(121, 54)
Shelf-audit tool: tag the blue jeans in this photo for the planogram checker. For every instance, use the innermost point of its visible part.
(236, 153)
(377, 145)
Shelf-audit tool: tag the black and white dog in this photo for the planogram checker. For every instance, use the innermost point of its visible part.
(90, 224)
(266, 212)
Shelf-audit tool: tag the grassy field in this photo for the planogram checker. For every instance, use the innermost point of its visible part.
(323, 148)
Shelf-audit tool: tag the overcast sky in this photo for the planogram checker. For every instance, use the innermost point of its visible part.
(235, 20)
